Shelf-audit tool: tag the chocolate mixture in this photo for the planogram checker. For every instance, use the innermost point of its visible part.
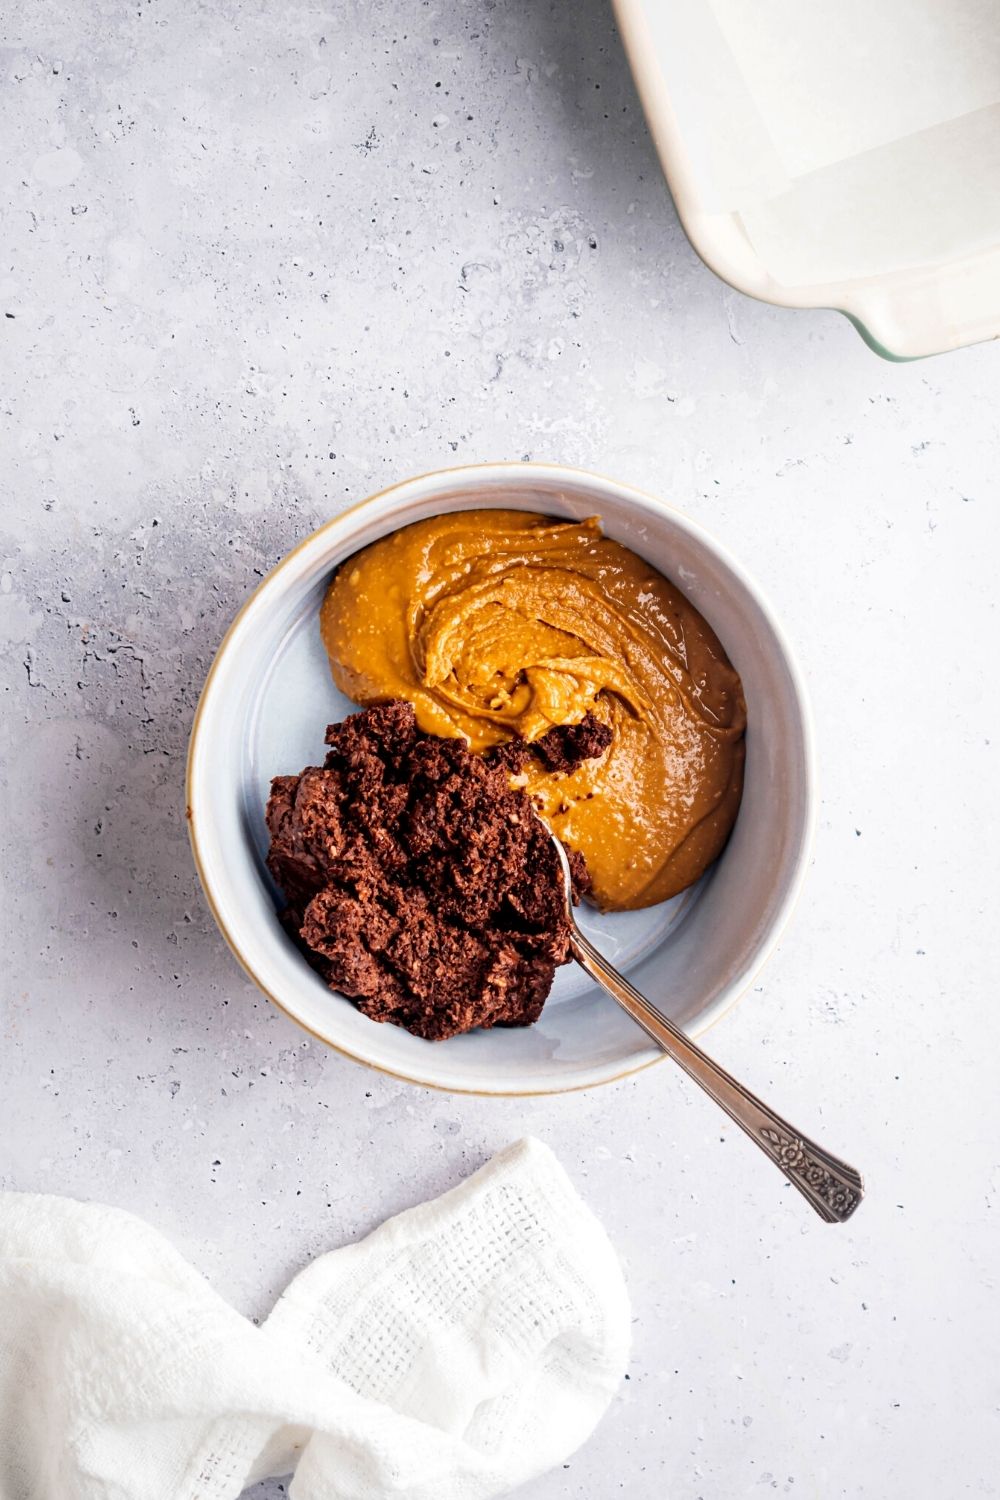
(417, 880)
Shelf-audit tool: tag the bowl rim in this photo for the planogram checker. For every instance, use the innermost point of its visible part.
(565, 473)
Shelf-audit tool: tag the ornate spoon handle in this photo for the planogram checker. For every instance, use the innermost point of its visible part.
(832, 1187)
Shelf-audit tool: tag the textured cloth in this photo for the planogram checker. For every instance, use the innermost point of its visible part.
(462, 1348)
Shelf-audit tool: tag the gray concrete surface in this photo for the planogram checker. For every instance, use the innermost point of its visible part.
(259, 260)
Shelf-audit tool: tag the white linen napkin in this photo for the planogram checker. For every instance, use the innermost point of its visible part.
(462, 1348)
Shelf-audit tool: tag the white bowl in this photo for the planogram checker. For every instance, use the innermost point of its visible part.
(269, 697)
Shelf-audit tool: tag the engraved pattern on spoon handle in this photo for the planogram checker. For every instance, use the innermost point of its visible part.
(832, 1187)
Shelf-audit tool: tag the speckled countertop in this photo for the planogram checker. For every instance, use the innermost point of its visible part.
(259, 260)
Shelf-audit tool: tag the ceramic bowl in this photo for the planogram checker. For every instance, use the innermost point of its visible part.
(269, 696)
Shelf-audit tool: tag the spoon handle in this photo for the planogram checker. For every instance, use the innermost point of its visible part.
(832, 1187)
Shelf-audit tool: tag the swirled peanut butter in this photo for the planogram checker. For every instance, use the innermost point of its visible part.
(499, 623)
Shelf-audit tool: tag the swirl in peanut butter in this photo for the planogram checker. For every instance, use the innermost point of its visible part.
(497, 623)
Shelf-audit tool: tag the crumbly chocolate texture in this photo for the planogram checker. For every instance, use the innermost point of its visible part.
(569, 745)
(560, 749)
(417, 880)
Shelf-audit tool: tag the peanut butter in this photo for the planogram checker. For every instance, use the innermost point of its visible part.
(497, 623)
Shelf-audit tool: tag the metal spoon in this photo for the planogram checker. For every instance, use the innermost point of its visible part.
(832, 1187)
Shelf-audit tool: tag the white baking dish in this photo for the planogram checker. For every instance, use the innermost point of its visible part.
(832, 153)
